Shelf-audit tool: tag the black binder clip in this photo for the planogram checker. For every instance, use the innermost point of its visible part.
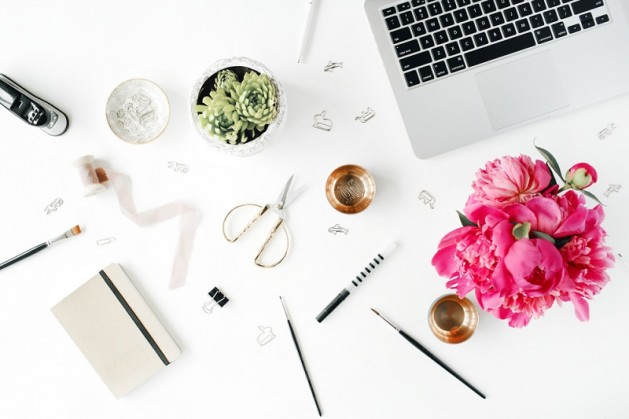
(217, 299)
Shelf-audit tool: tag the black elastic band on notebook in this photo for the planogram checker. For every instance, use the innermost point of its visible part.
(135, 318)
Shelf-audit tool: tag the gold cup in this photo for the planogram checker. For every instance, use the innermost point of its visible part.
(453, 320)
(350, 189)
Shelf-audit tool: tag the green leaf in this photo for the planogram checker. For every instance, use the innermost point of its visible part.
(521, 231)
(466, 222)
(562, 241)
(591, 195)
(541, 235)
(552, 162)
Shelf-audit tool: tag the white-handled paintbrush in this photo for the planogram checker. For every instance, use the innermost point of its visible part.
(70, 233)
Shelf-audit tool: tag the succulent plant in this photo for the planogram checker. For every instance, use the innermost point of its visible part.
(256, 100)
(235, 109)
(219, 117)
(225, 79)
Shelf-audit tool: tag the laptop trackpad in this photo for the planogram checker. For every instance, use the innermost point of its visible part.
(521, 90)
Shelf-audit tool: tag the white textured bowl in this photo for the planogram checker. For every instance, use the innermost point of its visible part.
(265, 138)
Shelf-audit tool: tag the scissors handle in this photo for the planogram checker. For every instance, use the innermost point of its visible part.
(245, 228)
(274, 229)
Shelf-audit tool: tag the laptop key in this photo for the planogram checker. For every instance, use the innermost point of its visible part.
(559, 29)
(440, 69)
(415, 61)
(525, 10)
(552, 3)
(426, 74)
(426, 42)
(508, 30)
(564, 12)
(481, 39)
(538, 5)
(522, 25)
(455, 32)
(404, 6)
(488, 6)
(407, 48)
(412, 78)
(393, 22)
(460, 16)
(483, 23)
(602, 19)
(581, 6)
(435, 9)
(446, 20)
(574, 28)
(474, 11)
(416, 3)
(496, 19)
(503, 3)
(468, 28)
(448, 5)
(587, 21)
(419, 29)
(441, 37)
(421, 13)
(388, 11)
(438, 53)
(401, 35)
(550, 16)
(511, 14)
(407, 18)
(456, 64)
(536, 21)
(543, 35)
(466, 43)
(452, 48)
(494, 34)
(500, 49)
(463, 3)
(432, 24)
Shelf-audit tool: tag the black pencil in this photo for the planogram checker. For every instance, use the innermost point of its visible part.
(301, 358)
(430, 355)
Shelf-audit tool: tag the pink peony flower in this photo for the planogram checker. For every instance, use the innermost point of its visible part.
(525, 246)
(586, 259)
(510, 180)
(581, 176)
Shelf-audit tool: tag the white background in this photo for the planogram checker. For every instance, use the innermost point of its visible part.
(73, 53)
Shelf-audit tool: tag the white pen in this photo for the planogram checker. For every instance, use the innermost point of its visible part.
(305, 35)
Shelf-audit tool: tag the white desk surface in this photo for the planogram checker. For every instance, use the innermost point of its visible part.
(74, 53)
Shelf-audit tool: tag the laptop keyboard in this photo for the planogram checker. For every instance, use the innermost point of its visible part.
(437, 38)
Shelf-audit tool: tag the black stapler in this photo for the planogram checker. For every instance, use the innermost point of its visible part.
(30, 108)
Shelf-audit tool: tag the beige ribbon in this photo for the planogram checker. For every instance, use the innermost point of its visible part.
(189, 218)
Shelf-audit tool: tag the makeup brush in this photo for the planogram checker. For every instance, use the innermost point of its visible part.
(70, 233)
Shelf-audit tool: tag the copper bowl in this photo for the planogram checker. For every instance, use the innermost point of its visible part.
(350, 189)
(453, 320)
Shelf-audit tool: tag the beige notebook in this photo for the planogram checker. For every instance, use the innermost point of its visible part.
(116, 330)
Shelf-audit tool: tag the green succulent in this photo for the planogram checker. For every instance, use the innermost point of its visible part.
(235, 109)
(219, 117)
(256, 100)
(225, 79)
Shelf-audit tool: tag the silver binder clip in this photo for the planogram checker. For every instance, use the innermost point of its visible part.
(321, 122)
(427, 198)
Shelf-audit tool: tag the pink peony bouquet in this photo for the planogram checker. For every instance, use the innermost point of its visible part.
(526, 242)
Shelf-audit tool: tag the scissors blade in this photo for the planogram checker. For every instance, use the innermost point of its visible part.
(281, 200)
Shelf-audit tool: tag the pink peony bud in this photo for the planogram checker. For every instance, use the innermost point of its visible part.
(580, 176)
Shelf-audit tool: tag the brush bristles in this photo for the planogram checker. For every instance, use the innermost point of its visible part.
(75, 230)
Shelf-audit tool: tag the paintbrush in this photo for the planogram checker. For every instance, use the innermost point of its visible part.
(70, 233)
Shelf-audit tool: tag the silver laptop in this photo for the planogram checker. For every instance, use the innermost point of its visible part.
(465, 70)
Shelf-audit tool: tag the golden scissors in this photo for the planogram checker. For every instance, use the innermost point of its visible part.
(278, 208)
